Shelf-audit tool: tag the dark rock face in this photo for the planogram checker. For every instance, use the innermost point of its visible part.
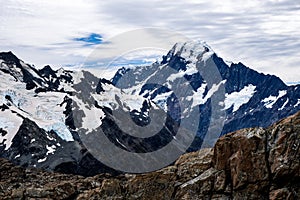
(35, 147)
(252, 163)
(31, 143)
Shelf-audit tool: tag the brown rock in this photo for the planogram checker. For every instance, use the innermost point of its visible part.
(193, 164)
(284, 150)
(18, 194)
(220, 181)
(282, 193)
(199, 187)
(252, 163)
(154, 185)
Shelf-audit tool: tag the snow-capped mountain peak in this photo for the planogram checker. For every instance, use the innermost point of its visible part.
(191, 51)
(192, 46)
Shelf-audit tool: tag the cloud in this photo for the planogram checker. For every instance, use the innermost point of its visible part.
(262, 34)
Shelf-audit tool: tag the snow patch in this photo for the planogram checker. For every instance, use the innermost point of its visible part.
(191, 69)
(161, 100)
(61, 130)
(237, 99)
(42, 160)
(297, 104)
(92, 118)
(127, 98)
(213, 89)
(11, 123)
(271, 100)
(121, 143)
(51, 149)
(175, 76)
(285, 103)
(198, 97)
(228, 63)
(207, 55)
(49, 138)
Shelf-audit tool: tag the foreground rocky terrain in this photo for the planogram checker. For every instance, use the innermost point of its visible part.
(252, 163)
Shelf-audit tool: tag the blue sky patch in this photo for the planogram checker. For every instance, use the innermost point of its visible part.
(91, 39)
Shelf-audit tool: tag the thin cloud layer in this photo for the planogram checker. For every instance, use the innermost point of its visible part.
(264, 35)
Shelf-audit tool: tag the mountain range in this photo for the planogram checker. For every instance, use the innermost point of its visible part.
(49, 118)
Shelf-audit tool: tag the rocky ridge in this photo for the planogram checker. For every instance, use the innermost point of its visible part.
(252, 163)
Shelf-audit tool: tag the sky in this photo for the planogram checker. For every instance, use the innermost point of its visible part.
(264, 35)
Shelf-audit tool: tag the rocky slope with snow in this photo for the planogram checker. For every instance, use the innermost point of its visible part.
(252, 163)
(47, 114)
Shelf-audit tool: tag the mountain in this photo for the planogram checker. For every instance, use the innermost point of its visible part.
(252, 163)
(66, 121)
(50, 118)
(225, 96)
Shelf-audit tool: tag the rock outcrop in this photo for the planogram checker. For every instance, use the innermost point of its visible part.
(251, 163)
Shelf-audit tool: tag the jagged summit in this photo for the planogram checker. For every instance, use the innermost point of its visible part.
(190, 51)
(9, 57)
(48, 72)
(194, 46)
